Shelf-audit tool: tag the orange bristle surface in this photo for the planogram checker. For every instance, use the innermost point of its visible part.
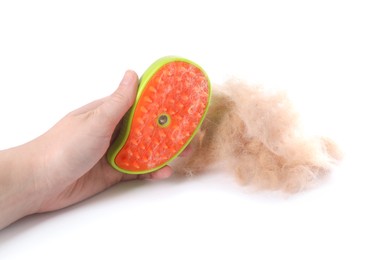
(167, 114)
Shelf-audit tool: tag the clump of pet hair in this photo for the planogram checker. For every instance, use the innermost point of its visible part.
(258, 135)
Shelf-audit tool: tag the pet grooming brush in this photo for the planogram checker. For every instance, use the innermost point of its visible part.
(172, 100)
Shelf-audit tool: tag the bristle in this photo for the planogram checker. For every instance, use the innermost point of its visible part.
(170, 100)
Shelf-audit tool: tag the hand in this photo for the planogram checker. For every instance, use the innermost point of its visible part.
(67, 164)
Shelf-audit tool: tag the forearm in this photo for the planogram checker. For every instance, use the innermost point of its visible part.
(18, 188)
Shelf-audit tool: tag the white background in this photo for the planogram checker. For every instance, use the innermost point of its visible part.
(333, 58)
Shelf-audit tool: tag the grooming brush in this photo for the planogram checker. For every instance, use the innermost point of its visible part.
(172, 100)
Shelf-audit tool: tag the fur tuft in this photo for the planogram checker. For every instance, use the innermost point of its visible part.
(257, 134)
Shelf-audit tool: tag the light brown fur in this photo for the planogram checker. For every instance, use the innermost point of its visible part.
(257, 134)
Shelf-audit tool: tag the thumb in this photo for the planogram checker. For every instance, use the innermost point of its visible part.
(117, 104)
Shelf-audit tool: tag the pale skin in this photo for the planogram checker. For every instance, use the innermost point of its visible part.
(67, 164)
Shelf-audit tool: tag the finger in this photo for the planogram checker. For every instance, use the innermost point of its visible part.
(163, 173)
(88, 107)
(116, 132)
(117, 104)
(127, 80)
(186, 152)
(160, 174)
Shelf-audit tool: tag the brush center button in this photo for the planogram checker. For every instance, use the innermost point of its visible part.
(163, 120)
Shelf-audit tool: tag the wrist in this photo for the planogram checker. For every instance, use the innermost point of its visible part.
(19, 194)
